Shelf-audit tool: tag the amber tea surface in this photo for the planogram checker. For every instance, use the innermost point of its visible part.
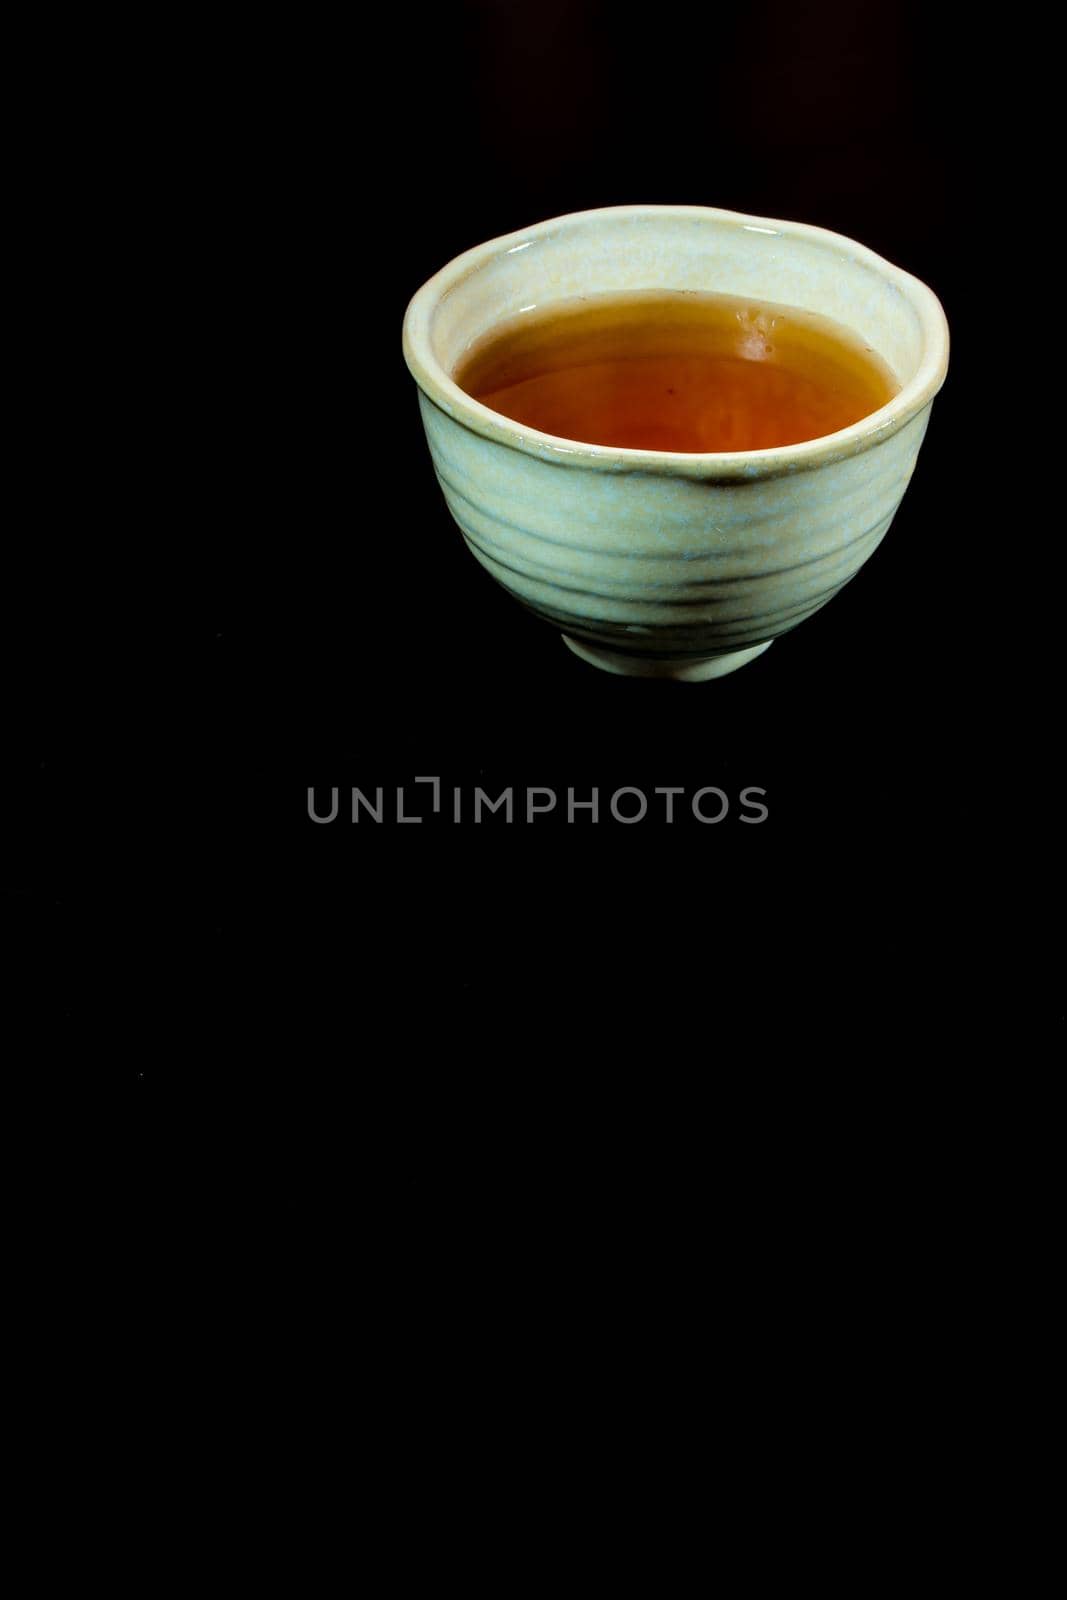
(679, 371)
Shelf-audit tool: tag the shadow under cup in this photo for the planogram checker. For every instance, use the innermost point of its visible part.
(656, 563)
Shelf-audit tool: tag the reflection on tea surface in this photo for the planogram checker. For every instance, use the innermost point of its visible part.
(676, 371)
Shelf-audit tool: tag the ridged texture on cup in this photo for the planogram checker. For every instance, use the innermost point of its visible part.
(660, 554)
(641, 562)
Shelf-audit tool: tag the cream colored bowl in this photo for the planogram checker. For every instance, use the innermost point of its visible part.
(657, 563)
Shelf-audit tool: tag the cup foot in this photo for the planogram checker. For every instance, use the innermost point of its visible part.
(682, 669)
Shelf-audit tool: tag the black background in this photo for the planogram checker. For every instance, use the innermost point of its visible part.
(312, 618)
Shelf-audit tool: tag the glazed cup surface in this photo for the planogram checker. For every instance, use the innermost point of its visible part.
(665, 563)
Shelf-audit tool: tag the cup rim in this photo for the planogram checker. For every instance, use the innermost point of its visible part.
(439, 387)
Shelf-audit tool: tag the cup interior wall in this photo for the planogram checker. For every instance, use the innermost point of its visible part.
(626, 254)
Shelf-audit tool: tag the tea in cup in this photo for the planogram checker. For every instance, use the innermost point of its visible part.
(673, 432)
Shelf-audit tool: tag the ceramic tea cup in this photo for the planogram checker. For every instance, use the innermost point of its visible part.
(661, 563)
